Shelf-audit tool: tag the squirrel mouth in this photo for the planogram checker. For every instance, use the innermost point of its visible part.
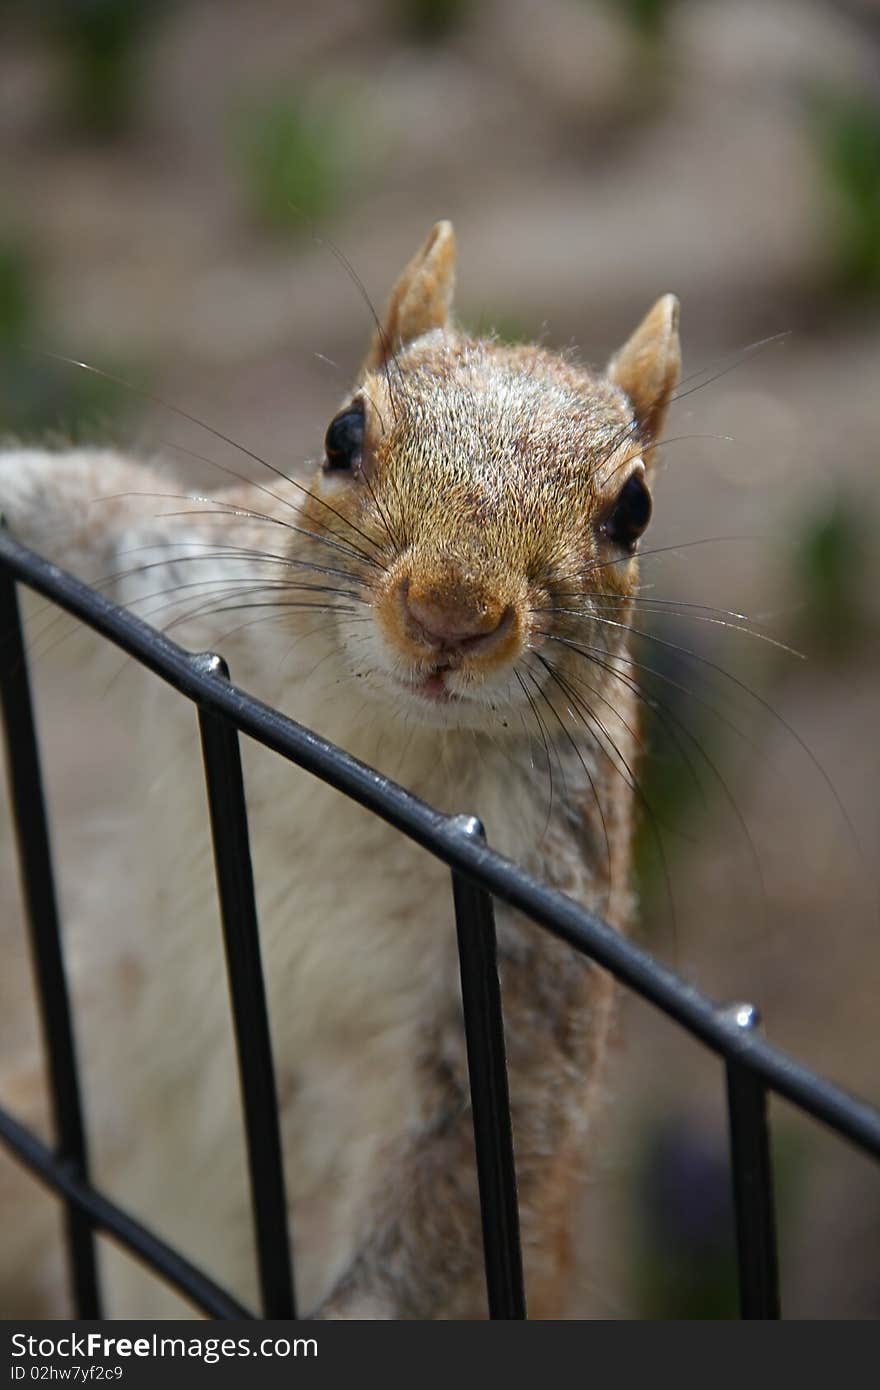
(432, 686)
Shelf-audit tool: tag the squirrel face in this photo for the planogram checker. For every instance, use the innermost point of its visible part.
(501, 493)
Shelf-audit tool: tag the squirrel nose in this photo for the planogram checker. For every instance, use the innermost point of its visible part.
(456, 619)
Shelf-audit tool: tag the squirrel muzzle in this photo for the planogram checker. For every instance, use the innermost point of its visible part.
(447, 612)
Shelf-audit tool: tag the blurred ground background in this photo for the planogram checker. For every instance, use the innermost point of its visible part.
(165, 170)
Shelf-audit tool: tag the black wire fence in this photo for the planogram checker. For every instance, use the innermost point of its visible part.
(478, 874)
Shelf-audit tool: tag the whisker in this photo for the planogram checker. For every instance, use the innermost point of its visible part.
(640, 555)
(631, 779)
(543, 737)
(634, 733)
(659, 709)
(227, 552)
(239, 587)
(590, 654)
(219, 507)
(744, 356)
(388, 353)
(587, 774)
(277, 604)
(343, 548)
(380, 510)
(765, 705)
(252, 482)
(269, 617)
(669, 608)
(202, 424)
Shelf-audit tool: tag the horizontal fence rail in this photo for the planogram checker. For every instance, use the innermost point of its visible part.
(479, 874)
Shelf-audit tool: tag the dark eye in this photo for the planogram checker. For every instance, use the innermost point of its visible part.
(630, 514)
(344, 440)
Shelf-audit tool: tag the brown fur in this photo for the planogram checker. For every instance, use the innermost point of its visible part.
(489, 467)
(474, 536)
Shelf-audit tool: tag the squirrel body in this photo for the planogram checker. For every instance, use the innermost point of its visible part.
(474, 522)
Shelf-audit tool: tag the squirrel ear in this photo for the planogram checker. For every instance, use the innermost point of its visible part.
(647, 366)
(422, 297)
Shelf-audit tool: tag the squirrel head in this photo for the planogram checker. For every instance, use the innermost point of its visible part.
(492, 499)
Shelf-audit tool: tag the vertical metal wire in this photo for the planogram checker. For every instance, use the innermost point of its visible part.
(752, 1181)
(235, 884)
(35, 861)
(490, 1101)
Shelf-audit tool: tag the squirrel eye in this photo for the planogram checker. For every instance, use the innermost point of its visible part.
(344, 440)
(631, 512)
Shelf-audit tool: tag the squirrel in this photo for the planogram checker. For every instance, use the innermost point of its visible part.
(448, 599)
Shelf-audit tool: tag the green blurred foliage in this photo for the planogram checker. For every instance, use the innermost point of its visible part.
(39, 396)
(681, 741)
(796, 1157)
(651, 82)
(649, 19)
(294, 157)
(846, 127)
(429, 21)
(18, 293)
(829, 569)
(683, 1243)
(101, 44)
(683, 1256)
